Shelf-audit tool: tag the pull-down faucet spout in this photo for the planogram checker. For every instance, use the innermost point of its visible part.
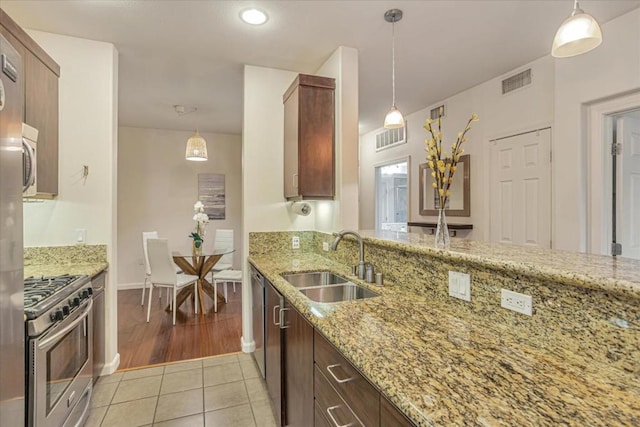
(334, 246)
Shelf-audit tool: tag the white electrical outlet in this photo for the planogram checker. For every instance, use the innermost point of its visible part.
(325, 246)
(295, 242)
(520, 303)
(460, 285)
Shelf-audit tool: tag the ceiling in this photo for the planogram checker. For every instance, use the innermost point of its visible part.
(192, 52)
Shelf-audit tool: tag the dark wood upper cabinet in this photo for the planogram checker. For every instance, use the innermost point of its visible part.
(40, 79)
(309, 138)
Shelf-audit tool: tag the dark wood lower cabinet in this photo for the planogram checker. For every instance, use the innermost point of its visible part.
(319, 419)
(298, 368)
(273, 350)
(390, 416)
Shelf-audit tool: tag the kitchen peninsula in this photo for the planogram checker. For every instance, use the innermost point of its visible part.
(444, 361)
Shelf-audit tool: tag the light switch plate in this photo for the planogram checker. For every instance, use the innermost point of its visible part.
(325, 246)
(520, 303)
(460, 285)
(81, 236)
(295, 242)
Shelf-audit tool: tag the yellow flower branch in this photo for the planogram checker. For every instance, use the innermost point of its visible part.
(442, 165)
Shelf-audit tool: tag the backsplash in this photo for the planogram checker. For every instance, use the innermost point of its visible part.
(43, 255)
(599, 323)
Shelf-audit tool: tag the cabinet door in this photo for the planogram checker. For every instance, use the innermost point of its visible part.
(390, 416)
(273, 349)
(291, 146)
(298, 368)
(41, 112)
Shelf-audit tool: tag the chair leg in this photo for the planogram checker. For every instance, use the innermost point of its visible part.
(149, 307)
(144, 287)
(215, 296)
(173, 309)
(195, 292)
(226, 297)
(234, 287)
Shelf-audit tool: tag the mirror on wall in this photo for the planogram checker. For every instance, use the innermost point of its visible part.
(459, 203)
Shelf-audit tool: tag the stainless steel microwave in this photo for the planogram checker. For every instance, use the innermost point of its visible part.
(29, 160)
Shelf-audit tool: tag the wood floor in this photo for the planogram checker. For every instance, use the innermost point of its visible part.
(142, 344)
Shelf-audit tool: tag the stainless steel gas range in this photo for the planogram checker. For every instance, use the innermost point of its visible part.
(59, 350)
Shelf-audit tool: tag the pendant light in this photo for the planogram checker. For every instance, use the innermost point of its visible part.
(196, 145)
(393, 119)
(578, 34)
(196, 148)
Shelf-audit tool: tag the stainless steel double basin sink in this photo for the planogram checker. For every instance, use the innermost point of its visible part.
(327, 287)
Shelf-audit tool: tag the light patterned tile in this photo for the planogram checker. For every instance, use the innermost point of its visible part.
(131, 414)
(196, 420)
(256, 389)
(177, 405)
(249, 369)
(113, 378)
(141, 373)
(236, 416)
(220, 360)
(263, 414)
(182, 366)
(137, 389)
(221, 374)
(225, 396)
(181, 381)
(96, 415)
(102, 394)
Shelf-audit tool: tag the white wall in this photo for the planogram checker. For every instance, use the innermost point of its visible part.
(88, 102)
(499, 116)
(611, 69)
(342, 212)
(157, 188)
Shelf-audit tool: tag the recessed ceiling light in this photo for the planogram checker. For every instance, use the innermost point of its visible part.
(253, 16)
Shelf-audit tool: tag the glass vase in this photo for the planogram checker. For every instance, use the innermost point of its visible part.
(443, 241)
(197, 248)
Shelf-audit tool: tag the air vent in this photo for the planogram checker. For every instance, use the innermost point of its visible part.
(390, 138)
(434, 112)
(516, 82)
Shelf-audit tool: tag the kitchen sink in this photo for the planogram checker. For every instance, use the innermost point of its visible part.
(337, 293)
(315, 278)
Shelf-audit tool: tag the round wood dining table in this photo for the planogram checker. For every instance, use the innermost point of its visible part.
(198, 265)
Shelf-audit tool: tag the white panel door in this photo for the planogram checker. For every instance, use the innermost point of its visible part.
(629, 213)
(521, 189)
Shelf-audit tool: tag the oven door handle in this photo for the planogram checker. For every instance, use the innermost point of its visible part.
(55, 337)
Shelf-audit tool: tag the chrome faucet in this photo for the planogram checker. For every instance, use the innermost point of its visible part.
(361, 264)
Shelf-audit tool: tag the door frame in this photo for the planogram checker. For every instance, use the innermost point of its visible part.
(400, 159)
(599, 130)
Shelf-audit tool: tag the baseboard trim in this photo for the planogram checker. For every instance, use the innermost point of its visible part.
(248, 347)
(111, 367)
(127, 286)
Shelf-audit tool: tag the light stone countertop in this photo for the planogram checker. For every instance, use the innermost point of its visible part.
(442, 366)
(89, 269)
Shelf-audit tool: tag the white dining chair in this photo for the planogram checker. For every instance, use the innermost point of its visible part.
(163, 274)
(145, 236)
(223, 239)
(224, 277)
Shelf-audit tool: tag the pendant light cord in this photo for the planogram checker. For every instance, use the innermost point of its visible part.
(393, 63)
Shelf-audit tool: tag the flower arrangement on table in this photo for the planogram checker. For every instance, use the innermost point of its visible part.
(443, 166)
(201, 219)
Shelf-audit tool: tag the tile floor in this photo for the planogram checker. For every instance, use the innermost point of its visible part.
(219, 391)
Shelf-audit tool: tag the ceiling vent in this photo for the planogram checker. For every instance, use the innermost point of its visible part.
(434, 112)
(517, 81)
(390, 138)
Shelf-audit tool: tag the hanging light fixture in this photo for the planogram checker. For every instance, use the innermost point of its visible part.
(196, 145)
(196, 148)
(578, 34)
(393, 119)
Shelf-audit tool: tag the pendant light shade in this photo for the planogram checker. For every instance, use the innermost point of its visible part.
(393, 119)
(578, 34)
(196, 148)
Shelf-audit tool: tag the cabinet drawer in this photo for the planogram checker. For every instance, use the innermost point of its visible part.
(361, 396)
(390, 416)
(319, 419)
(331, 405)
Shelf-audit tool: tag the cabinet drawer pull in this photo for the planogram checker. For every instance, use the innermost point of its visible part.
(339, 381)
(275, 307)
(283, 323)
(333, 420)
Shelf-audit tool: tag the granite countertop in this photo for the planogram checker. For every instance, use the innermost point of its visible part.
(441, 366)
(89, 269)
(618, 274)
